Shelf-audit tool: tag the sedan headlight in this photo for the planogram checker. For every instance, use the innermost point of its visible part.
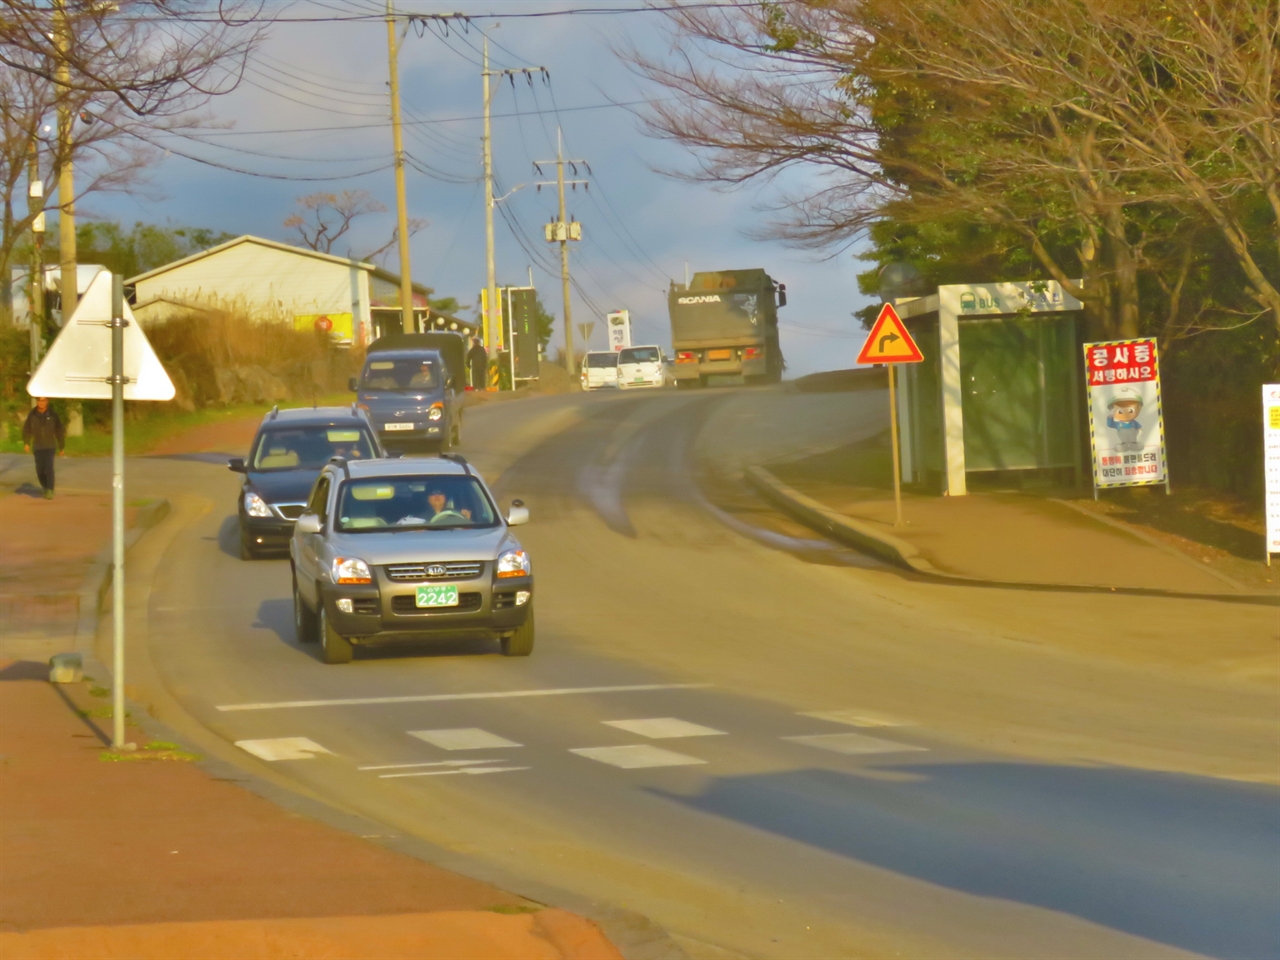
(513, 563)
(351, 570)
(436, 412)
(255, 506)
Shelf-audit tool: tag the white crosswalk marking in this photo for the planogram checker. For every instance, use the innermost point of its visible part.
(636, 756)
(283, 748)
(433, 763)
(664, 728)
(464, 738)
(857, 718)
(853, 743)
(475, 771)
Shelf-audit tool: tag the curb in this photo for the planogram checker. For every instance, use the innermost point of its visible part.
(96, 583)
(899, 552)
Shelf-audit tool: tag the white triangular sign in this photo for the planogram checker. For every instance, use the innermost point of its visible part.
(79, 359)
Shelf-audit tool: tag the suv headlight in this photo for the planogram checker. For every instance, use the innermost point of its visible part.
(513, 563)
(351, 570)
(436, 412)
(255, 506)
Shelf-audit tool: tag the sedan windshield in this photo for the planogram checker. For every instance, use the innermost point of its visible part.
(403, 374)
(309, 448)
(414, 502)
(639, 355)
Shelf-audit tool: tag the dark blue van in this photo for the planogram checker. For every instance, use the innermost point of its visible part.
(411, 396)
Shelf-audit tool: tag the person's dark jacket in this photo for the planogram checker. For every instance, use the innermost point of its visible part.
(41, 431)
(478, 364)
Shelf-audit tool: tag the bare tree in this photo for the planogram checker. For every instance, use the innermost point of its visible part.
(324, 218)
(1056, 119)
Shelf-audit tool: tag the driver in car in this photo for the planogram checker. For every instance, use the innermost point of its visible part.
(439, 504)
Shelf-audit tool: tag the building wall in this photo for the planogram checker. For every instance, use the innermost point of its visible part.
(271, 284)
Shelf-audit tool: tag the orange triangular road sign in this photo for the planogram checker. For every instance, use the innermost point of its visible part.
(888, 341)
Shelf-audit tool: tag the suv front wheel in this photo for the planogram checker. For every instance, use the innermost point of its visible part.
(520, 643)
(334, 648)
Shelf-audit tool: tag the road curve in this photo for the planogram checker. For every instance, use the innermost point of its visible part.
(769, 746)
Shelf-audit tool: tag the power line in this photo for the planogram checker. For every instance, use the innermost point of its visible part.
(411, 17)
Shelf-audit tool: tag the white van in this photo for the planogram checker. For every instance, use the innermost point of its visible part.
(641, 367)
(599, 369)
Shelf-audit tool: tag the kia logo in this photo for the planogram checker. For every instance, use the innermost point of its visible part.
(435, 570)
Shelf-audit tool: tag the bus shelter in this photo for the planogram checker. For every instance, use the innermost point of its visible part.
(999, 389)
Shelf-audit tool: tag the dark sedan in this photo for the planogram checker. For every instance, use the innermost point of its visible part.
(288, 452)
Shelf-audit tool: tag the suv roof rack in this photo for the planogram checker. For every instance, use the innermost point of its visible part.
(342, 462)
(458, 459)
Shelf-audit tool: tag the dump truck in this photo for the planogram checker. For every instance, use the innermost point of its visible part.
(724, 324)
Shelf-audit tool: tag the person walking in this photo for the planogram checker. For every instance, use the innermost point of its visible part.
(43, 435)
(477, 364)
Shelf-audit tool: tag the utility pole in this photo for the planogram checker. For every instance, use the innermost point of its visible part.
(35, 300)
(407, 321)
(562, 232)
(66, 174)
(491, 311)
(493, 308)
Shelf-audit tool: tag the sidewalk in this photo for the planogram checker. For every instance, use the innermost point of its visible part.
(149, 856)
(995, 536)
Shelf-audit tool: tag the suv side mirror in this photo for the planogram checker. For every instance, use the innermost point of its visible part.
(353, 385)
(308, 523)
(236, 465)
(519, 514)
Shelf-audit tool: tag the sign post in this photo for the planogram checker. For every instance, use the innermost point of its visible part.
(1126, 424)
(102, 354)
(890, 343)
(1271, 463)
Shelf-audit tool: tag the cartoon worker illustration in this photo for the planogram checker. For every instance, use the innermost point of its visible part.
(1122, 417)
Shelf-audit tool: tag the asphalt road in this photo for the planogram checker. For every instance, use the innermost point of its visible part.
(769, 746)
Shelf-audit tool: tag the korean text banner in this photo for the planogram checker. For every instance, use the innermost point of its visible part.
(1126, 426)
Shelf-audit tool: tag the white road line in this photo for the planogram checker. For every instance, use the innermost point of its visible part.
(433, 763)
(636, 756)
(464, 738)
(853, 743)
(444, 773)
(857, 718)
(283, 748)
(442, 697)
(664, 728)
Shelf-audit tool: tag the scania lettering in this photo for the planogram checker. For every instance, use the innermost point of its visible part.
(724, 326)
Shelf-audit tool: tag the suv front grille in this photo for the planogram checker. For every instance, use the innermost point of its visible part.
(407, 606)
(416, 572)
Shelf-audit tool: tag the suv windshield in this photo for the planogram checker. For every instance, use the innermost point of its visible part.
(414, 502)
(309, 448)
(405, 373)
(639, 355)
(602, 359)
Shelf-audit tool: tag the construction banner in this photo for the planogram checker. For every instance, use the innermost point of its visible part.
(1126, 425)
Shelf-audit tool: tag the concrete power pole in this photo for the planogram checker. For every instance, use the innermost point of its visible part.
(66, 175)
(35, 300)
(407, 321)
(562, 232)
(492, 315)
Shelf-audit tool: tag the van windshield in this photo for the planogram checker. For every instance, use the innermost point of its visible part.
(640, 355)
(402, 503)
(400, 374)
(309, 448)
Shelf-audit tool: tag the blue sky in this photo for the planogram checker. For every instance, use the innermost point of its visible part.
(316, 94)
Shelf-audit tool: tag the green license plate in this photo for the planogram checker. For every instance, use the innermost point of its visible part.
(438, 595)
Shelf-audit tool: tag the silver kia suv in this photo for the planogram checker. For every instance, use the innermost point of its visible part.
(406, 550)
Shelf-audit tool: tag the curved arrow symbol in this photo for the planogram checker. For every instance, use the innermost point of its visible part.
(887, 338)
